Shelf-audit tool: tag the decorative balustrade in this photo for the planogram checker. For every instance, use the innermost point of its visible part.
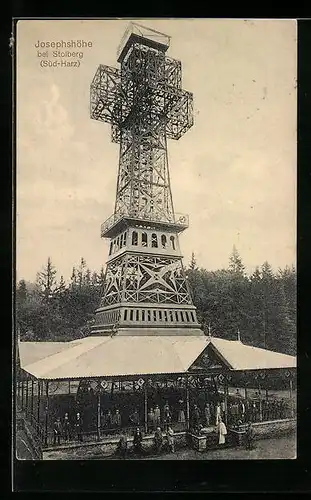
(177, 220)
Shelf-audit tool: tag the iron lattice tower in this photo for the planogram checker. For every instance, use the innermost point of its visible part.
(145, 288)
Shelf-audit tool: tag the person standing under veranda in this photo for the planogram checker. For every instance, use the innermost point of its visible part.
(108, 420)
(57, 431)
(250, 436)
(181, 418)
(78, 427)
(151, 420)
(123, 446)
(158, 440)
(134, 418)
(67, 427)
(207, 414)
(157, 415)
(117, 419)
(242, 410)
(137, 441)
(171, 439)
(222, 432)
(166, 415)
(218, 413)
(196, 417)
(253, 410)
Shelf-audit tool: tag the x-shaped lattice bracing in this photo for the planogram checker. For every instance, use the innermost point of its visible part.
(146, 279)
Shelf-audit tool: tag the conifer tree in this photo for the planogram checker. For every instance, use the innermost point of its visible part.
(46, 280)
(236, 265)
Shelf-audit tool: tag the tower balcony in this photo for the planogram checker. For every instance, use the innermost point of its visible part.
(138, 33)
(117, 223)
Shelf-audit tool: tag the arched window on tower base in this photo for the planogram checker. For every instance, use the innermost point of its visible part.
(134, 238)
(144, 240)
(173, 242)
(154, 240)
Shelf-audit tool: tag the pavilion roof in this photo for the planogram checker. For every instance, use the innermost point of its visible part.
(104, 356)
(112, 356)
(240, 356)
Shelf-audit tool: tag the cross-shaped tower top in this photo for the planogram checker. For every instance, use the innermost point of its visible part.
(145, 104)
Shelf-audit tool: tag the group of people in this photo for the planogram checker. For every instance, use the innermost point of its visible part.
(156, 417)
(233, 412)
(158, 442)
(111, 419)
(239, 411)
(210, 416)
(66, 429)
(255, 409)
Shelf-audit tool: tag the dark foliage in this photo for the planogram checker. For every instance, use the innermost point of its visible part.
(262, 306)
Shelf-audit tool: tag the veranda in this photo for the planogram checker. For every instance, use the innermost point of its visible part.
(267, 395)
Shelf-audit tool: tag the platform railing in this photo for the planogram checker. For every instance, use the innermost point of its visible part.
(177, 219)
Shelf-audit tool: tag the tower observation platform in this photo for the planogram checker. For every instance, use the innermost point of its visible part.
(145, 289)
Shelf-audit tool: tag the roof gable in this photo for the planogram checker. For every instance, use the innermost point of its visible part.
(209, 359)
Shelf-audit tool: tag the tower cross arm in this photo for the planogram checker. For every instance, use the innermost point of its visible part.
(180, 115)
(107, 99)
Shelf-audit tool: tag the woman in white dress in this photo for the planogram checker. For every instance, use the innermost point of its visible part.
(222, 430)
(218, 413)
(181, 414)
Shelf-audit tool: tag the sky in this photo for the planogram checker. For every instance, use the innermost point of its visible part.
(233, 172)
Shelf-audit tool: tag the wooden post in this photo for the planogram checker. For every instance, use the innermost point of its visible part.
(247, 409)
(68, 386)
(187, 404)
(146, 406)
(31, 408)
(38, 408)
(290, 389)
(27, 397)
(291, 397)
(98, 415)
(22, 394)
(260, 403)
(226, 400)
(46, 412)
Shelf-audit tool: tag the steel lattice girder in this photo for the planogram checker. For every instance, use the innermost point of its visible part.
(147, 90)
(142, 278)
(180, 118)
(105, 94)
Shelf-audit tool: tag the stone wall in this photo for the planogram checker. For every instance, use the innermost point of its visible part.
(263, 430)
(236, 437)
(108, 446)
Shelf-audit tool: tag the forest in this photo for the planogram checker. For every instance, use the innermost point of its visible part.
(258, 308)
